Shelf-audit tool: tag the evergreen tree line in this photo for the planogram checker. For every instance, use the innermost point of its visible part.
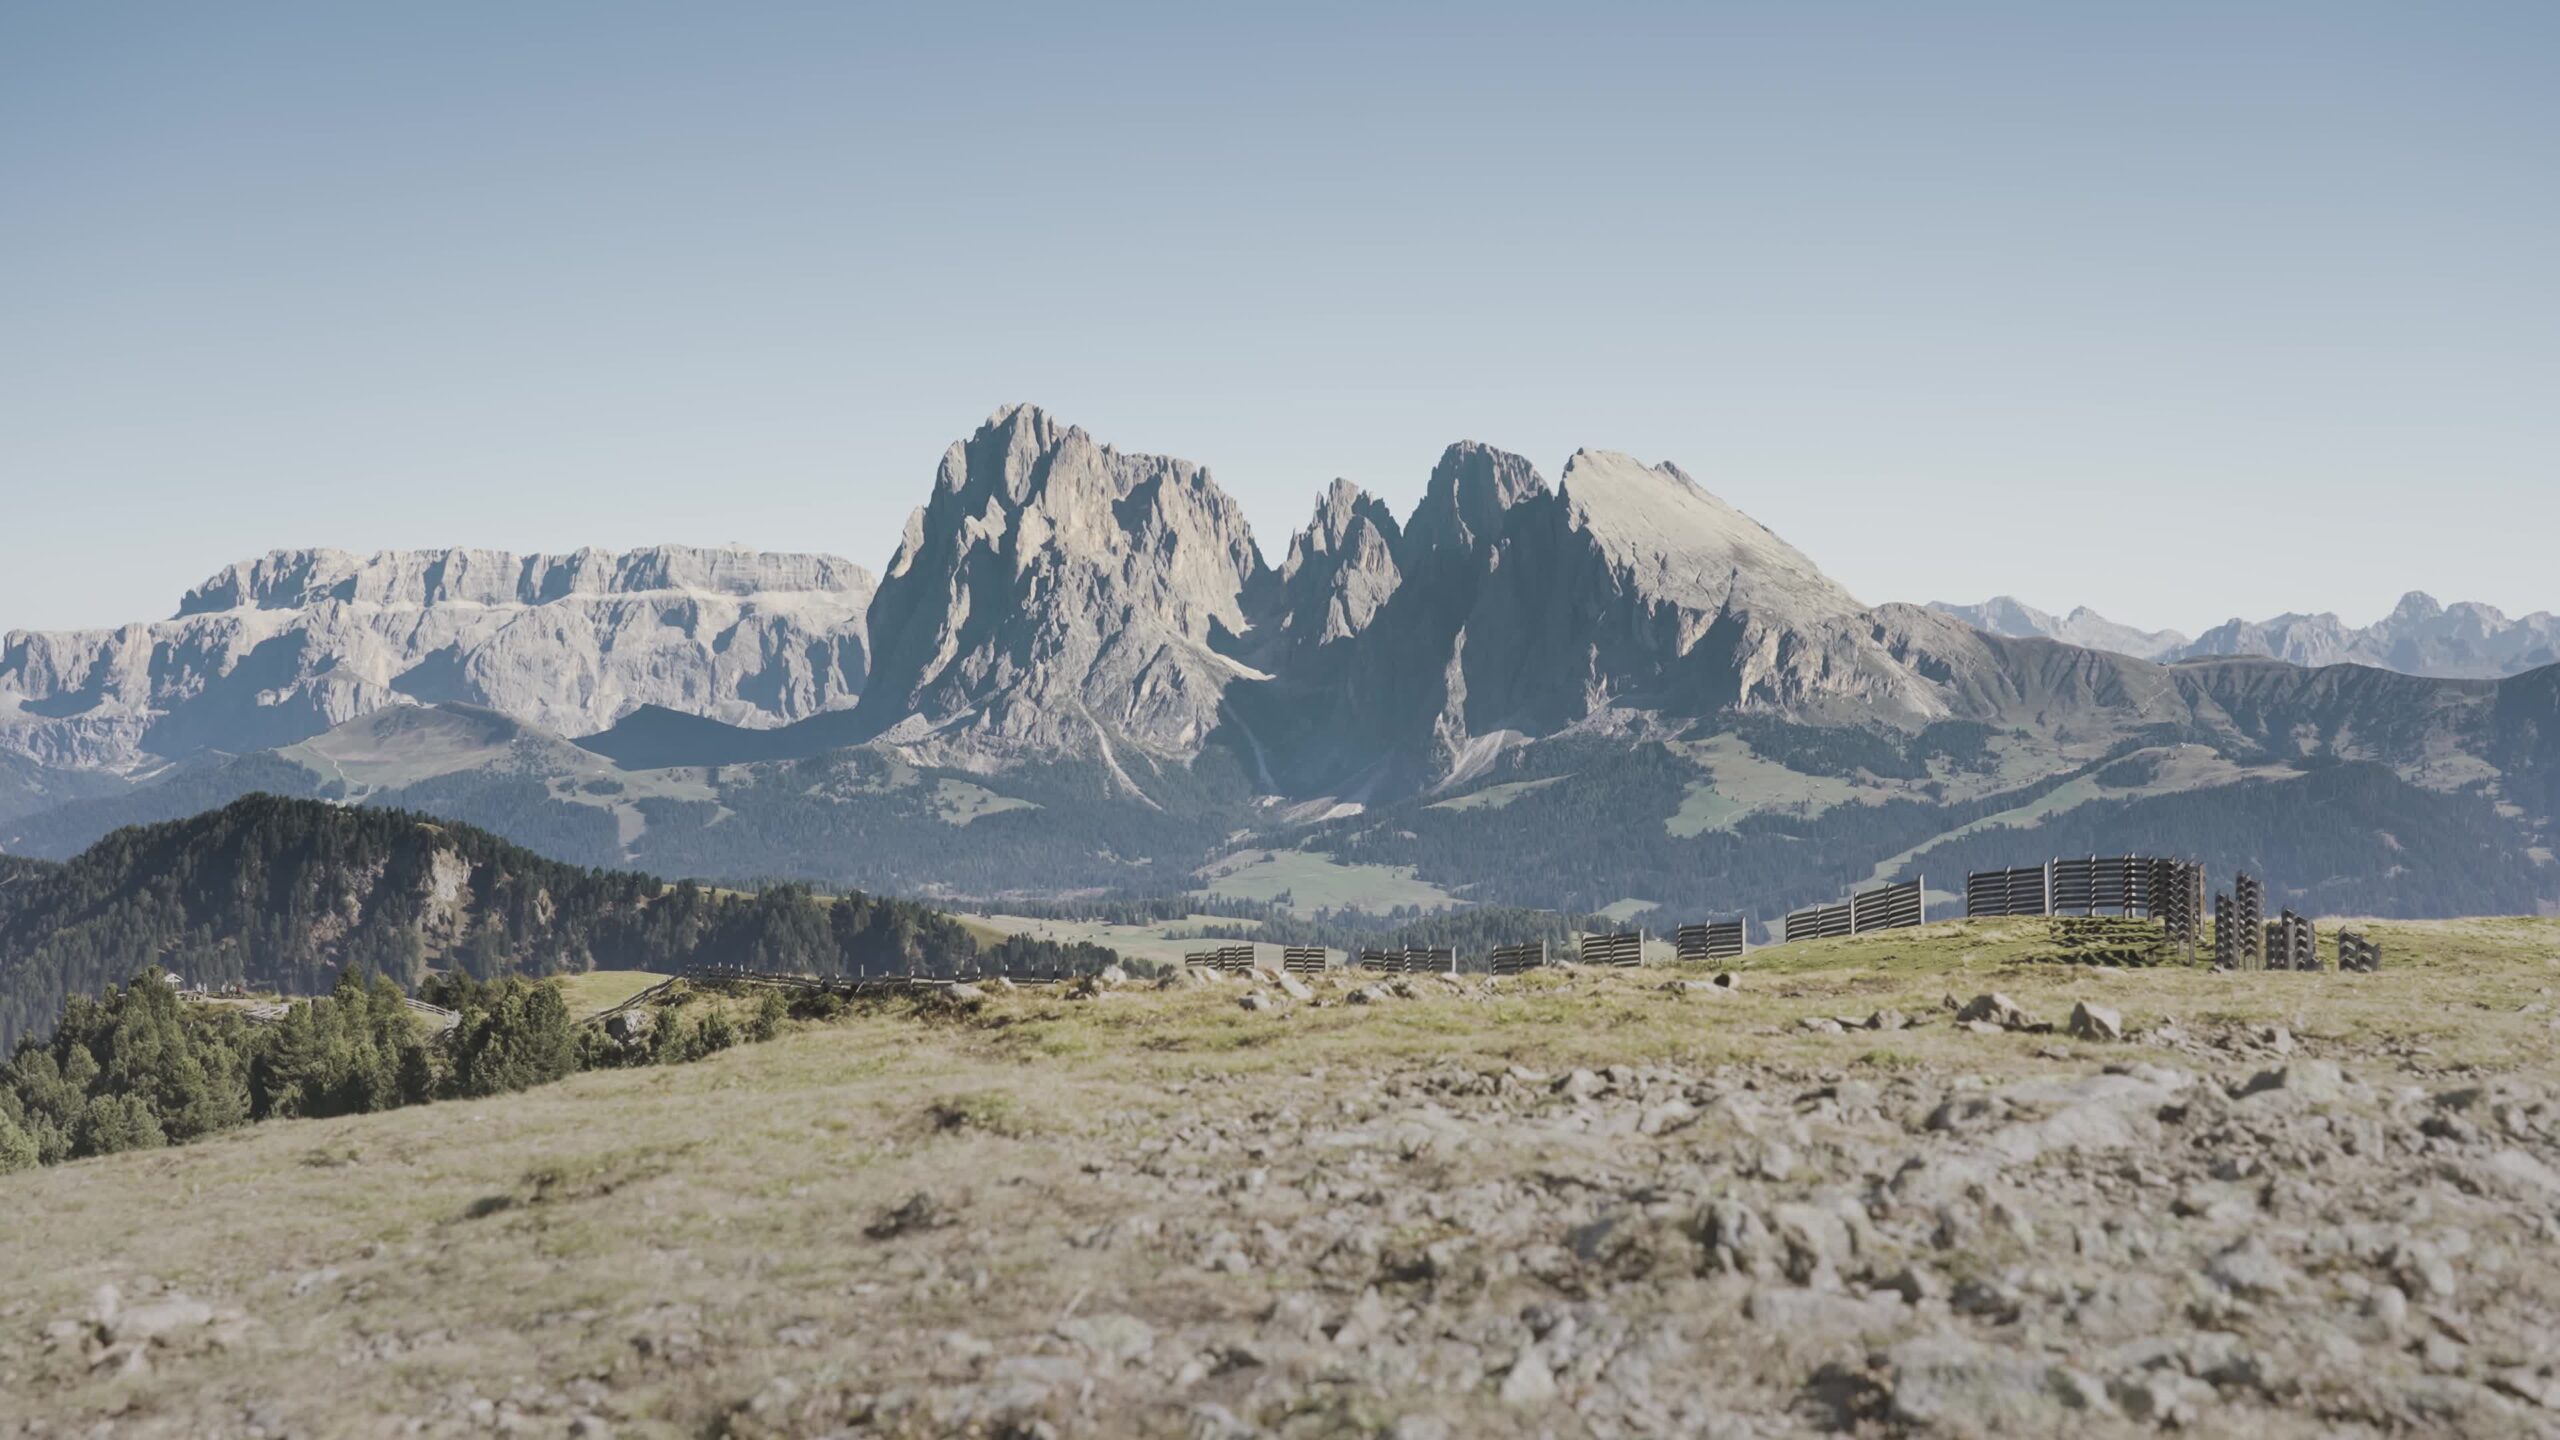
(278, 894)
(1470, 931)
(139, 1067)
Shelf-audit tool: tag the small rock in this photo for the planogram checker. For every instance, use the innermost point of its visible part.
(2317, 1081)
(2388, 1308)
(921, 1211)
(2162, 1397)
(1295, 988)
(2248, 1269)
(1668, 1116)
(1119, 1337)
(1530, 1381)
(159, 1318)
(1994, 1009)
(2096, 1022)
(1255, 1001)
(1958, 1387)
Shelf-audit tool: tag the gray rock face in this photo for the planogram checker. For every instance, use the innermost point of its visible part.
(1058, 594)
(274, 650)
(1340, 573)
(1627, 589)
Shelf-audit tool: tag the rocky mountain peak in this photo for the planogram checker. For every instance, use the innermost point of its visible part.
(1057, 592)
(1340, 570)
(1680, 544)
(1346, 517)
(2417, 606)
(1471, 492)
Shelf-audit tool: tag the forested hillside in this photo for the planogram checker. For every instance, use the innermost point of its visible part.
(286, 894)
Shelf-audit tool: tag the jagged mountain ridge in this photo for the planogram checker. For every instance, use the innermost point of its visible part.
(2010, 616)
(2462, 641)
(1056, 594)
(273, 650)
(1059, 598)
(2419, 637)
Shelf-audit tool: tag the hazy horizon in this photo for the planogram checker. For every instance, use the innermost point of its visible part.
(284, 276)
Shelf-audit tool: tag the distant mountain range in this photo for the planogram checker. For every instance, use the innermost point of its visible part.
(2419, 637)
(278, 649)
(1079, 675)
(2006, 615)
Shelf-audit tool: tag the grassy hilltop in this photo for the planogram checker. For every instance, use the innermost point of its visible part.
(1575, 1203)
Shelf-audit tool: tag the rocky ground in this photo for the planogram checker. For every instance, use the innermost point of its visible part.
(1852, 1193)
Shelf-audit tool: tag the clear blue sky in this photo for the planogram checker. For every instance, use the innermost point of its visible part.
(1953, 296)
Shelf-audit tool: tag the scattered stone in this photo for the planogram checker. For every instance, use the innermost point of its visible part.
(157, 1319)
(1124, 1338)
(1956, 1386)
(920, 1211)
(2315, 1082)
(2249, 1270)
(1529, 1381)
(1994, 1009)
(2095, 1022)
(1579, 1085)
(2161, 1397)
(1255, 1001)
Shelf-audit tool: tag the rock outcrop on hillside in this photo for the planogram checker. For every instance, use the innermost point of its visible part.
(273, 650)
(1057, 594)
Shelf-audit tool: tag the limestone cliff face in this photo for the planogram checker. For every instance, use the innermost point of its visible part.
(1340, 572)
(1626, 592)
(273, 650)
(1057, 594)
